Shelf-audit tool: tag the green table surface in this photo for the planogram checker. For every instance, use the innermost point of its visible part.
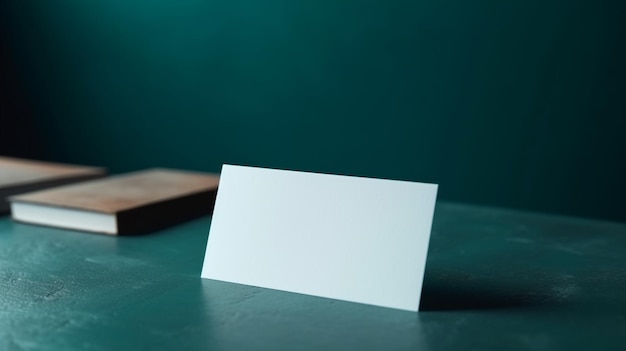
(495, 279)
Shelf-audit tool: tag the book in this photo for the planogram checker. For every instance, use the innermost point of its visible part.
(132, 203)
(22, 175)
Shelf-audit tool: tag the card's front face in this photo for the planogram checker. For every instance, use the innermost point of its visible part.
(349, 238)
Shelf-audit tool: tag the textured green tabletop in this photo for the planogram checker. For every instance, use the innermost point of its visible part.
(496, 279)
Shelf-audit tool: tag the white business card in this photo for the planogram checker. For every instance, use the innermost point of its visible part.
(356, 239)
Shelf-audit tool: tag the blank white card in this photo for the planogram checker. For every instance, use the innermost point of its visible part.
(349, 238)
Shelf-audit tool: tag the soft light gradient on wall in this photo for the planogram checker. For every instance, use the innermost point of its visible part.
(510, 103)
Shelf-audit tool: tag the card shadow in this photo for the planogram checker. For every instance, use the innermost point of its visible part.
(460, 293)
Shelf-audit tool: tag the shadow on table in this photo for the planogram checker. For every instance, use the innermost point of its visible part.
(450, 293)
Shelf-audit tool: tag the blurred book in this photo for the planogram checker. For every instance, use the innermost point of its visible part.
(132, 203)
(20, 175)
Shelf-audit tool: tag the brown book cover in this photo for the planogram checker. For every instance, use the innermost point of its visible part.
(21, 175)
(132, 203)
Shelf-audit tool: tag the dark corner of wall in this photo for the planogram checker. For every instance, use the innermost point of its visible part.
(18, 133)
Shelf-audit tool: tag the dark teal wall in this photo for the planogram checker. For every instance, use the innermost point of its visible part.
(515, 103)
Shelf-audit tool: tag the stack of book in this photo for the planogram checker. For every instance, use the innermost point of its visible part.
(133, 203)
(20, 176)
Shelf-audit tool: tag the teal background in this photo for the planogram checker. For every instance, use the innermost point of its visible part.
(512, 103)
